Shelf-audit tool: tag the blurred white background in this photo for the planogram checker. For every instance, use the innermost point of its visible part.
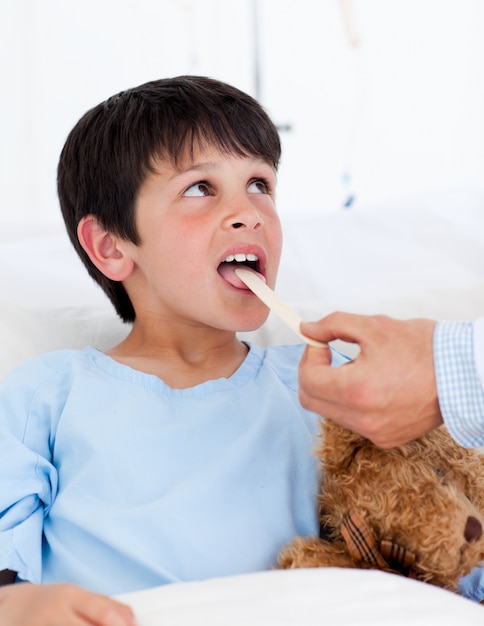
(399, 113)
(380, 105)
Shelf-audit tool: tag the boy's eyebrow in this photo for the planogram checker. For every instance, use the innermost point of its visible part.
(195, 166)
(191, 167)
(200, 166)
(204, 165)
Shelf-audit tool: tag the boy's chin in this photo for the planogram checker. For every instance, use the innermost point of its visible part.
(253, 324)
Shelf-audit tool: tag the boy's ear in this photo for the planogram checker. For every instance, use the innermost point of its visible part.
(104, 249)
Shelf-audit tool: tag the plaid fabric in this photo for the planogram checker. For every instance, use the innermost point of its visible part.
(360, 541)
(461, 394)
(399, 558)
(363, 547)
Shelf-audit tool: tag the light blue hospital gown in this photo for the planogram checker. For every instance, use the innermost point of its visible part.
(113, 480)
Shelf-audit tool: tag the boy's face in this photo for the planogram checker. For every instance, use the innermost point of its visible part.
(189, 220)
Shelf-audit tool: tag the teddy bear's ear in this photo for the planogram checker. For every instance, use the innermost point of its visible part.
(339, 447)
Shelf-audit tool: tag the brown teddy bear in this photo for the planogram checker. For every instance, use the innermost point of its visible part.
(417, 509)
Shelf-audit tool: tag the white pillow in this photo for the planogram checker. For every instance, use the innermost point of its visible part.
(27, 332)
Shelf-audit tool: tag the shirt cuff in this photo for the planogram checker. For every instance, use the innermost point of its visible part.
(459, 388)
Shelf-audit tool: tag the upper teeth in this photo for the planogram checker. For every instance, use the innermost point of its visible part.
(240, 258)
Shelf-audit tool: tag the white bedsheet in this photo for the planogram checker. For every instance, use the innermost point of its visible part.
(312, 597)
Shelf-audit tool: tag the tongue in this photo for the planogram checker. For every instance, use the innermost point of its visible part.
(226, 270)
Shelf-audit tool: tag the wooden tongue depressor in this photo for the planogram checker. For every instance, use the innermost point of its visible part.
(280, 308)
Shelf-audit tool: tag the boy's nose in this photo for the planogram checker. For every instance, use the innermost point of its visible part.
(245, 216)
(255, 226)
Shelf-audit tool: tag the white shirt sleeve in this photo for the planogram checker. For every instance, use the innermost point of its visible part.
(459, 370)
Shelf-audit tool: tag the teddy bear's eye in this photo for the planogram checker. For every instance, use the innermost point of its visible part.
(443, 476)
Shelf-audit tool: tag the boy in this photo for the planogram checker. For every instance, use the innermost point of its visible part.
(181, 453)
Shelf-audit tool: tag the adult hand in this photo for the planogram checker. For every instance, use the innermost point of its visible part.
(25, 604)
(388, 392)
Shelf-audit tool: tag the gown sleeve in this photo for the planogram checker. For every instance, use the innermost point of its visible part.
(28, 478)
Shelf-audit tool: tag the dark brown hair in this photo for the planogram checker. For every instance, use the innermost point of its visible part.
(112, 148)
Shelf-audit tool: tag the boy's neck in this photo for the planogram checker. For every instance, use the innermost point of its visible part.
(182, 362)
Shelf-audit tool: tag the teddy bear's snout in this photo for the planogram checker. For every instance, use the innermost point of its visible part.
(473, 529)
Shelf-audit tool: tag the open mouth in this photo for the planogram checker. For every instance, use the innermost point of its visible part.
(228, 265)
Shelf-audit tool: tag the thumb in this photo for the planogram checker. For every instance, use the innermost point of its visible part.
(316, 356)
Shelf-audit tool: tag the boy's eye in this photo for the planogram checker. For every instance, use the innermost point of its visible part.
(198, 190)
(258, 186)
